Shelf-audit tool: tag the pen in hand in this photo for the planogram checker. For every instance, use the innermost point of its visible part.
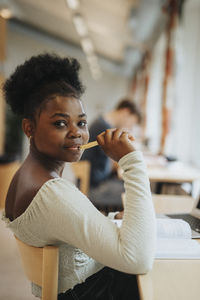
(89, 145)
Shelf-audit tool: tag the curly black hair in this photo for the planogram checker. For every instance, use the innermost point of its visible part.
(39, 78)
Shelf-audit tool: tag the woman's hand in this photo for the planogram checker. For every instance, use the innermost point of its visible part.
(116, 143)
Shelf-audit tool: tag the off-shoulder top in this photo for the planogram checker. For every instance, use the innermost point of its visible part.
(61, 215)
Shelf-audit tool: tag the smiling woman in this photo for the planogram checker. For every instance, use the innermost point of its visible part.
(44, 209)
(60, 128)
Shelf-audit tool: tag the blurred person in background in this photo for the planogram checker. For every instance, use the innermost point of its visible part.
(105, 186)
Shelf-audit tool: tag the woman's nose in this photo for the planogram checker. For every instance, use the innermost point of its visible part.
(74, 132)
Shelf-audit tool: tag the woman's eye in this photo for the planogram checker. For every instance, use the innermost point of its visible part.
(60, 123)
(82, 123)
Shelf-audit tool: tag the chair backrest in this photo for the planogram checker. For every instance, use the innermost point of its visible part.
(7, 172)
(81, 170)
(41, 267)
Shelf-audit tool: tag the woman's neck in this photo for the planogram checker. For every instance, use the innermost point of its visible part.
(54, 167)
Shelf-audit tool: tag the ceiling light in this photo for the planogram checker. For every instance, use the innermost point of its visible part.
(94, 66)
(87, 45)
(5, 13)
(92, 59)
(73, 4)
(96, 73)
(80, 25)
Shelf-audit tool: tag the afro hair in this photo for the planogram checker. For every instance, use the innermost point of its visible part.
(40, 77)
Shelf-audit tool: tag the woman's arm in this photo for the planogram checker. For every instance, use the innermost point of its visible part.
(68, 216)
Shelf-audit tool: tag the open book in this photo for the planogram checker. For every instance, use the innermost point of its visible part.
(174, 240)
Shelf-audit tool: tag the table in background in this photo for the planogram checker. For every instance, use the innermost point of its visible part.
(166, 204)
(162, 172)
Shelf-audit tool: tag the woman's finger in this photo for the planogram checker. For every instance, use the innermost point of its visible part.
(116, 134)
(108, 135)
(130, 136)
(101, 138)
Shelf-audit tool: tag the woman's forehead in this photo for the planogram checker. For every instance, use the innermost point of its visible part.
(70, 105)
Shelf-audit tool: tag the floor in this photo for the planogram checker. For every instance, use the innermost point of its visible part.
(13, 283)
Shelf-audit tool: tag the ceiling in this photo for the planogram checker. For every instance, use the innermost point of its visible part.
(120, 30)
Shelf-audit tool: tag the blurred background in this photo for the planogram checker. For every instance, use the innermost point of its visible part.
(147, 50)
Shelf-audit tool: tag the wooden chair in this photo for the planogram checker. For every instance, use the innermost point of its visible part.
(41, 267)
(7, 171)
(81, 171)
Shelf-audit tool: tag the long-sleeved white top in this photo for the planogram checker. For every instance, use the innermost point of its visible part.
(61, 215)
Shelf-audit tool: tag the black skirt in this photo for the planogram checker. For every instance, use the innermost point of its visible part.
(107, 284)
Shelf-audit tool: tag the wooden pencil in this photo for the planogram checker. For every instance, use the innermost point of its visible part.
(89, 145)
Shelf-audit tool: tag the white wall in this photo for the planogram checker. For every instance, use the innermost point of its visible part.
(184, 140)
(153, 129)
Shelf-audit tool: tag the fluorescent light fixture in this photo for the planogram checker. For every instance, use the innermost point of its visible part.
(96, 73)
(94, 66)
(73, 4)
(5, 13)
(92, 59)
(87, 45)
(80, 25)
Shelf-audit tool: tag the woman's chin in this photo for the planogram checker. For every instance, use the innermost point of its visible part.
(73, 158)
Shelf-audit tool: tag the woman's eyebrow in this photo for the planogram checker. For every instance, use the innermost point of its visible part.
(60, 115)
(66, 115)
(82, 115)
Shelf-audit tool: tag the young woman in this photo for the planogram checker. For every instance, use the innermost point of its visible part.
(97, 259)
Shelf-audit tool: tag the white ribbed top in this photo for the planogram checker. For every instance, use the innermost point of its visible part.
(61, 215)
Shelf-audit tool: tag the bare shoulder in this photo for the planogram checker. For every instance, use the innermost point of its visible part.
(24, 186)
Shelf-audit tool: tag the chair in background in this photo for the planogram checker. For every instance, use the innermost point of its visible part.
(41, 267)
(7, 171)
(81, 171)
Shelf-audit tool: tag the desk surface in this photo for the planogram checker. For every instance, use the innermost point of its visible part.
(175, 172)
(166, 204)
(170, 172)
(171, 279)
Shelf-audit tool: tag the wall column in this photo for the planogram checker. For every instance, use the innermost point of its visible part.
(172, 10)
(2, 103)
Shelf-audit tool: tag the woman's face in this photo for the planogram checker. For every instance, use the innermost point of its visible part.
(61, 128)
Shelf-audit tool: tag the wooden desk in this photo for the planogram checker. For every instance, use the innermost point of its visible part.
(161, 170)
(166, 204)
(171, 279)
(172, 173)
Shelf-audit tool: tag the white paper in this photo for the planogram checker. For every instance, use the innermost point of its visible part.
(173, 240)
(177, 249)
(173, 228)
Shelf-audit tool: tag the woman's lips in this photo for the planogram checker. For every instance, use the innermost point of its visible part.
(73, 147)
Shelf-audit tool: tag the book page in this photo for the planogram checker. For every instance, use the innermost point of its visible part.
(173, 240)
(173, 228)
(169, 228)
(177, 249)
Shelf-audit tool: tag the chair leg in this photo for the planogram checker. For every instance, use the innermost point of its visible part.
(50, 273)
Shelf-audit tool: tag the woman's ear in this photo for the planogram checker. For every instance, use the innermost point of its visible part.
(28, 127)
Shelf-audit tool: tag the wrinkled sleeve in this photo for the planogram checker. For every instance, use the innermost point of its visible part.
(70, 217)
